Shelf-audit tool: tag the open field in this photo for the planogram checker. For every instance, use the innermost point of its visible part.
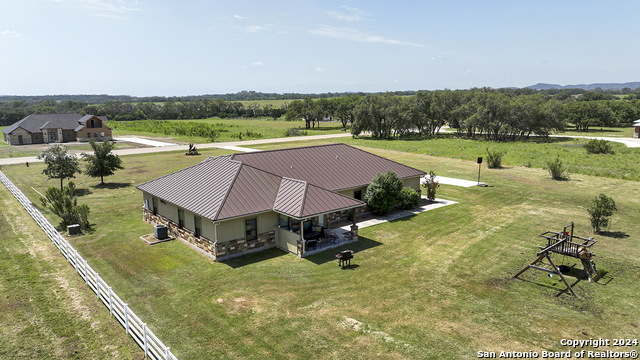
(534, 153)
(624, 132)
(242, 129)
(435, 285)
(47, 310)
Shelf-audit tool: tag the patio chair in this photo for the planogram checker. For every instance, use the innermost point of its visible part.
(328, 237)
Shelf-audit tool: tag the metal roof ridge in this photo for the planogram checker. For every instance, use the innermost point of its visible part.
(304, 198)
(226, 195)
(337, 193)
(293, 148)
(384, 158)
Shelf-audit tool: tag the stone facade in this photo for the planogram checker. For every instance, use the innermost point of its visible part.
(206, 246)
(220, 251)
(238, 247)
(19, 136)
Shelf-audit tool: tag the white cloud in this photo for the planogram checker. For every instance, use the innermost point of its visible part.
(12, 34)
(257, 63)
(319, 70)
(346, 33)
(239, 17)
(257, 28)
(353, 14)
(120, 6)
(469, 72)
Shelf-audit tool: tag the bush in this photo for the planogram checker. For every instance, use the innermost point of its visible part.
(409, 198)
(556, 169)
(295, 132)
(494, 158)
(601, 208)
(598, 147)
(64, 204)
(431, 185)
(383, 193)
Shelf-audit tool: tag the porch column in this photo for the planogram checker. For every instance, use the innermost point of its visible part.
(354, 227)
(304, 242)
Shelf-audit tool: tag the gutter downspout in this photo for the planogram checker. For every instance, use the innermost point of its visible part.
(215, 239)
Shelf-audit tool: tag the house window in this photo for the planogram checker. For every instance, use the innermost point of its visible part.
(180, 218)
(284, 222)
(88, 135)
(95, 134)
(36, 137)
(295, 225)
(102, 134)
(251, 229)
(198, 222)
(155, 205)
(357, 194)
(68, 135)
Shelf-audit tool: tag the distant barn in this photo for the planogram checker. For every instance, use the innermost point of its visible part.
(636, 132)
(51, 128)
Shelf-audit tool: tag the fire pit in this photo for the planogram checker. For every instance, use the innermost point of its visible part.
(345, 257)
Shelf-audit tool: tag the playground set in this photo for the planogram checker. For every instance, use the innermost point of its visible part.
(567, 244)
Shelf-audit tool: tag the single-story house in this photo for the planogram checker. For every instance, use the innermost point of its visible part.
(230, 205)
(51, 128)
(636, 131)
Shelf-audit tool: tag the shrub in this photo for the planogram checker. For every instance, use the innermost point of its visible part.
(295, 132)
(556, 169)
(598, 147)
(601, 208)
(431, 185)
(409, 198)
(383, 193)
(494, 158)
(64, 204)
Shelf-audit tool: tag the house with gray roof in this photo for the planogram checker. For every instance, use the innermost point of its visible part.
(51, 128)
(230, 205)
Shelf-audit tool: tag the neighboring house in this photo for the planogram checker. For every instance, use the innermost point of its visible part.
(50, 128)
(636, 130)
(230, 205)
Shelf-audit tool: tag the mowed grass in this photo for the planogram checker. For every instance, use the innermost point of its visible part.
(624, 132)
(534, 153)
(47, 310)
(13, 151)
(435, 285)
(242, 129)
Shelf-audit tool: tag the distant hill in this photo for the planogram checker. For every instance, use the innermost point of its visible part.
(603, 86)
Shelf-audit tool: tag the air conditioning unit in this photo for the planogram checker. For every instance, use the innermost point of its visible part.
(160, 232)
(73, 229)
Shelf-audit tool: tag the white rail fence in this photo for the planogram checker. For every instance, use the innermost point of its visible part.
(152, 346)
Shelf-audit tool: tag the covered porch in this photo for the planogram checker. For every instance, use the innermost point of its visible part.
(315, 234)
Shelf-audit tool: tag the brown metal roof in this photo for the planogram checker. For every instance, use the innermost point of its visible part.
(290, 198)
(333, 167)
(201, 188)
(252, 192)
(299, 182)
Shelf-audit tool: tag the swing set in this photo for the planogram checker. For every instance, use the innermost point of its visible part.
(567, 244)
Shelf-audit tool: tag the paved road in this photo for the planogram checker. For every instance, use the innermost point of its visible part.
(22, 160)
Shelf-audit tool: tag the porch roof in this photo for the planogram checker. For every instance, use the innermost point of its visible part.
(299, 199)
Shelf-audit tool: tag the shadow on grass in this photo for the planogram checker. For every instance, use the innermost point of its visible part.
(363, 243)
(254, 258)
(83, 192)
(614, 234)
(112, 186)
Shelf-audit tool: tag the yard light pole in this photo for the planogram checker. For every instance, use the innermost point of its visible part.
(479, 162)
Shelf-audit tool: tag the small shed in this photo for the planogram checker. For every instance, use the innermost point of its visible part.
(636, 132)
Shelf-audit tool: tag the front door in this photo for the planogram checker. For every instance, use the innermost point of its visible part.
(20, 140)
(52, 136)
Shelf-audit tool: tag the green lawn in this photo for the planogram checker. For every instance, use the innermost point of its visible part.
(435, 285)
(624, 132)
(48, 312)
(9, 151)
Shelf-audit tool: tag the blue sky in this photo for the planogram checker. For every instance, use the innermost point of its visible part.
(190, 47)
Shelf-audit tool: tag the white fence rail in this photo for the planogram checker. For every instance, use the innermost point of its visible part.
(152, 346)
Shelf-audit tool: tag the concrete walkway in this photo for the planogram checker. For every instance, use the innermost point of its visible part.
(142, 141)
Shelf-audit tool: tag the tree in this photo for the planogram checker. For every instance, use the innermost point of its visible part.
(64, 204)
(384, 192)
(431, 185)
(60, 165)
(601, 208)
(102, 162)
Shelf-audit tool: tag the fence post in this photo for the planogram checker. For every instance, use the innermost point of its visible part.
(75, 256)
(144, 332)
(86, 274)
(98, 285)
(110, 304)
(126, 318)
(166, 353)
